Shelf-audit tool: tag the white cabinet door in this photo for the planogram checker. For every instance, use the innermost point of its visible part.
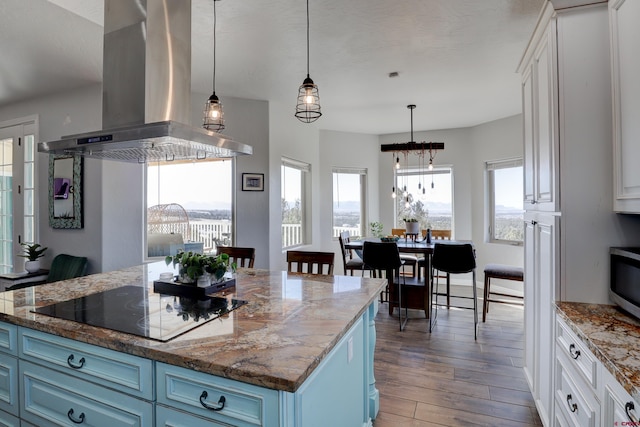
(539, 89)
(530, 306)
(625, 33)
(541, 233)
(618, 407)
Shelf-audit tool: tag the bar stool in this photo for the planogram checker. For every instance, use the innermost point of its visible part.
(453, 258)
(504, 272)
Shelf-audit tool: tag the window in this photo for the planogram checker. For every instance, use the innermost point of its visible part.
(17, 191)
(426, 196)
(506, 214)
(293, 192)
(349, 190)
(189, 206)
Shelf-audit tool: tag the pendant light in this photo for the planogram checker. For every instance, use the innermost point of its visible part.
(308, 106)
(213, 114)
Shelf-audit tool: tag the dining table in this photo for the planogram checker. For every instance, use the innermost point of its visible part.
(418, 292)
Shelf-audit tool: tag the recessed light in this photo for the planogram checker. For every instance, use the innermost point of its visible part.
(393, 74)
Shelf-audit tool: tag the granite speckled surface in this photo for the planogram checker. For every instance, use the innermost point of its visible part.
(612, 336)
(291, 322)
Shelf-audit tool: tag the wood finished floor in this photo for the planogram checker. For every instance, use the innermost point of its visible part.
(445, 378)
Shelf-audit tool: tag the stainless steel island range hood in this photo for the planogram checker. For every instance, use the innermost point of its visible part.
(146, 96)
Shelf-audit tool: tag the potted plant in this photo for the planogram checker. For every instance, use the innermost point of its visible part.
(412, 226)
(376, 229)
(199, 268)
(32, 252)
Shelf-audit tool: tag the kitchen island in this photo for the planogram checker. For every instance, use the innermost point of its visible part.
(300, 352)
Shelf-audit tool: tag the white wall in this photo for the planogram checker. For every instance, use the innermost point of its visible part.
(497, 140)
(291, 138)
(112, 236)
(457, 153)
(66, 114)
(343, 149)
(247, 121)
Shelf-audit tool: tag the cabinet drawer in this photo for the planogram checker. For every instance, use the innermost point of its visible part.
(245, 404)
(577, 403)
(119, 371)
(50, 398)
(9, 385)
(571, 346)
(8, 420)
(168, 417)
(8, 341)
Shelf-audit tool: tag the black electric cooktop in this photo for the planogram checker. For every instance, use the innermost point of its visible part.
(139, 311)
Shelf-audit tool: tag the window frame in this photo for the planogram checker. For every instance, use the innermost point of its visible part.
(232, 178)
(490, 167)
(362, 172)
(305, 200)
(413, 170)
(25, 134)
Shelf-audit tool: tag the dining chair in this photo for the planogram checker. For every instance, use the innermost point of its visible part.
(410, 260)
(243, 257)
(349, 261)
(453, 258)
(310, 262)
(435, 235)
(383, 259)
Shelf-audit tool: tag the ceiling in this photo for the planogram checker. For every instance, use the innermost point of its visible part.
(456, 59)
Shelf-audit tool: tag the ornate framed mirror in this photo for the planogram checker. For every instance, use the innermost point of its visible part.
(65, 191)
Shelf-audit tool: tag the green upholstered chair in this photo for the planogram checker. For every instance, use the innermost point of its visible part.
(63, 267)
(67, 267)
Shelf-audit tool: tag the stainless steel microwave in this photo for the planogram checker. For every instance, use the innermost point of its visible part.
(624, 287)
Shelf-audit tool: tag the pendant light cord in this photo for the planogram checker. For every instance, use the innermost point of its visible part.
(214, 45)
(307, 38)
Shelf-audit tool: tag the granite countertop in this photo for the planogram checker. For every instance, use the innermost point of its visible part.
(290, 323)
(612, 336)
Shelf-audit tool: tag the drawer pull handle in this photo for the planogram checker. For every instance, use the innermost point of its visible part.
(574, 353)
(221, 402)
(628, 408)
(572, 406)
(78, 366)
(78, 420)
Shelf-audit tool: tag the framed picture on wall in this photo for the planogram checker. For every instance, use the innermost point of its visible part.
(252, 182)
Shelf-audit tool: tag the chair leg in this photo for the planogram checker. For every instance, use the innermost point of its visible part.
(475, 306)
(434, 300)
(485, 299)
(448, 290)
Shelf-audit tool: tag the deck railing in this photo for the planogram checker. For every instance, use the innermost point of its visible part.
(218, 232)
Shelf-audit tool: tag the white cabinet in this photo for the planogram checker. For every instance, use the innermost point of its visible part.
(618, 407)
(567, 136)
(624, 16)
(539, 93)
(541, 235)
(577, 379)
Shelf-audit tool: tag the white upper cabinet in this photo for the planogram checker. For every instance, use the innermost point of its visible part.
(624, 16)
(539, 89)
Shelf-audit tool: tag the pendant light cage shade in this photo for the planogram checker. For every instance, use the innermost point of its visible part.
(213, 114)
(308, 106)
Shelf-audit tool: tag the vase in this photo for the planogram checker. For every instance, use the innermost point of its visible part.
(204, 281)
(412, 227)
(32, 266)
